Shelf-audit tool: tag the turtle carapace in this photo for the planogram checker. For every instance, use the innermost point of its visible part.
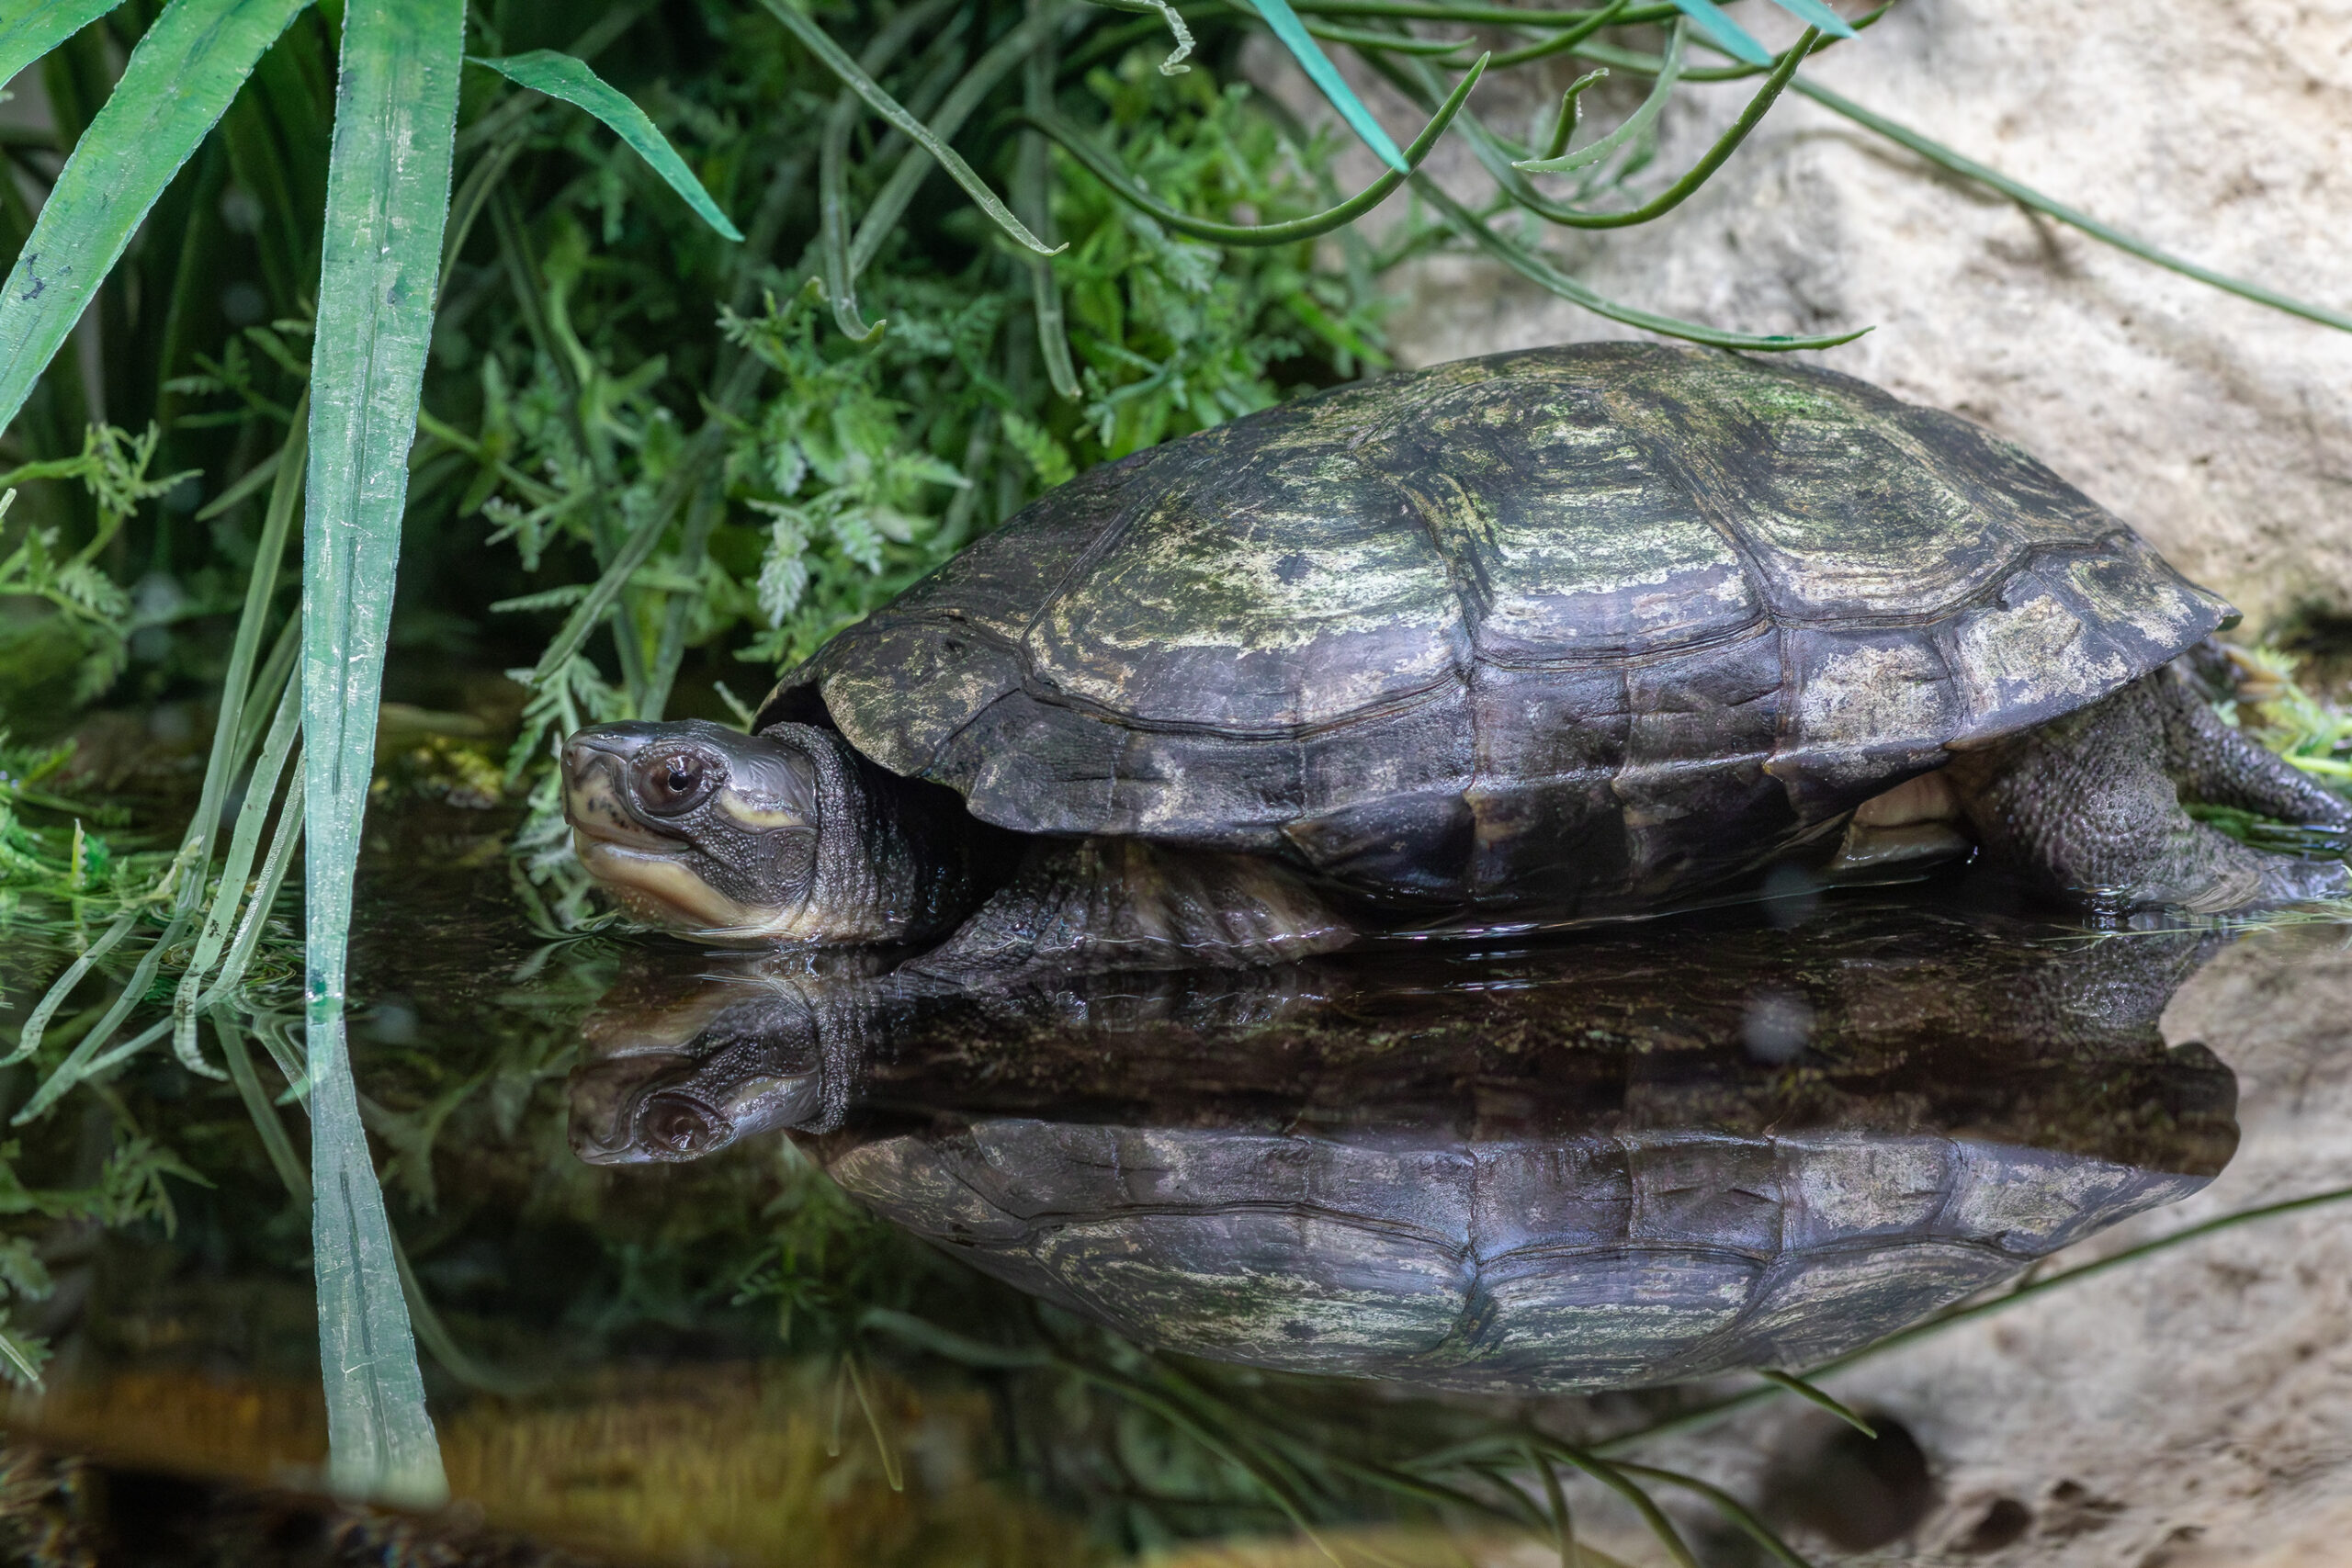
(1591, 630)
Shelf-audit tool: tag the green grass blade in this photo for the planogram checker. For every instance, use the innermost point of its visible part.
(264, 898)
(1286, 26)
(1609, 1475)
(832, 221)
(2026, 196)
(387, 199)
(1636, 123)
(220, 919)
(1033, 184)
(273, 1141)
(1104, 166)
(881, 219)
(1735, 1512)
(28, 1038)
(179, 79)
(380, 1441)
(1821, 1397)
(78, 1062)
(1733, 37)
(816, 40)
(26, 36)
(1814, 14)
(560, 77)
(1543, 274)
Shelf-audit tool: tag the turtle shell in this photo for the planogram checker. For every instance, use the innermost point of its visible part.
(1519, 1265)
(1579, 625)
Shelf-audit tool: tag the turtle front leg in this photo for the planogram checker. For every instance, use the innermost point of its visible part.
(1116, 903)
(2088, 807)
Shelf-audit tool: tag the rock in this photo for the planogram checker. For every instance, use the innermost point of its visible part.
(2221, 429)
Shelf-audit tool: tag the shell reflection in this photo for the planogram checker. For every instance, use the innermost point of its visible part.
(1578, 1167)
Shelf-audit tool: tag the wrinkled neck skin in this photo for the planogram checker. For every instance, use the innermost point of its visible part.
(891, 864)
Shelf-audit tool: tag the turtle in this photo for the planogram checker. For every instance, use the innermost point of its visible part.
(1574, 1166)
(1576, 633)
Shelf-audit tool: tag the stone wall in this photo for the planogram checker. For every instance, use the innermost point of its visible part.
(2221, 132)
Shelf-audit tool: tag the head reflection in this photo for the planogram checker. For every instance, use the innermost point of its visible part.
(1609, 1162)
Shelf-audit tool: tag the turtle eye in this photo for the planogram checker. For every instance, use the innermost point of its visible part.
(676, 782)
(679, 1129)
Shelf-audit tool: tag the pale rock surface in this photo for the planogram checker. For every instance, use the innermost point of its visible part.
(2221, 132)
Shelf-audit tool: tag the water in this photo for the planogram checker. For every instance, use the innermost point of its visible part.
(755, 1259)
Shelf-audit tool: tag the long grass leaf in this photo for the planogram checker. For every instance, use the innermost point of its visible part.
(1821, 1397)
(35, 30)
(179, 79)
(381, 1440)
(1564, 40)
(78, 1063)
(29, 1039)
(951, 1345)
(1543, 274)
(273, 1141)
(818, 43)
(1033, 185)
(560, 77)
(1403, 44)
(227, 753)
(1609, 1475)
(247, 484)
(1636, 123)
(1284, 25)
(388, 198)
(257, 907)
(218, 920)
(833, 220)
(1814, 14)
(2026, 196)
(1734, 39)
(274, 671)
(1735, 1512)
(1107, 169)
(971, 89)
(1634, 61)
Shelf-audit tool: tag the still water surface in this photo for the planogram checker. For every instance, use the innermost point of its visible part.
(758, 1259)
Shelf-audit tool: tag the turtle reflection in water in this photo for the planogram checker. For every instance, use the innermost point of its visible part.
(1559, 635)
(1608, 1163)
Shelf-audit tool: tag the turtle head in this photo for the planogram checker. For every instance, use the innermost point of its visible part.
(729, 837)
(669, 1107)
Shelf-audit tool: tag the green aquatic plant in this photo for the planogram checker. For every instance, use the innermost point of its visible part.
(129, 1190)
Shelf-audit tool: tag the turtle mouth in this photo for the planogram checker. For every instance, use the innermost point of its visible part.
(662, 887)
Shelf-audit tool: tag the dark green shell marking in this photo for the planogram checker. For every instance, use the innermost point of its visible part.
(1587, 625)
(1493, 1265)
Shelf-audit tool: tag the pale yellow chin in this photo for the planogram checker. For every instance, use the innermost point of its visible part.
(662, 889)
